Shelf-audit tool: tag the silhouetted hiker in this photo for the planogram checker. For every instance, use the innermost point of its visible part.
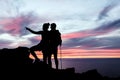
(44, 43)
(55, 41)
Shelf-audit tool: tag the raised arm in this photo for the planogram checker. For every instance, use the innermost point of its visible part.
(34, 32)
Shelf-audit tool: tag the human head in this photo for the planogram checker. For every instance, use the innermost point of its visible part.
(53, 26)
(45, 26)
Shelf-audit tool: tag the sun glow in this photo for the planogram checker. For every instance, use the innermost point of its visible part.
(81, 53)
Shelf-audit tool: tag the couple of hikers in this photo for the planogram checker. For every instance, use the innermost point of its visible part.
(50, 40)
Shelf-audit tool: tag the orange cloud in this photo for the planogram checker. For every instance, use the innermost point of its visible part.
(82, 53)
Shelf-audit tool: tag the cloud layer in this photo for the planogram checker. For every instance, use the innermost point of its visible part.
(82, 24)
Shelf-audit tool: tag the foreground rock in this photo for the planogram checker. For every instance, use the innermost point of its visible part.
(16, 64)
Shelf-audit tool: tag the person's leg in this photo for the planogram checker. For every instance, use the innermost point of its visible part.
(47, 57)
(55, 57)
(44, 57)
(32, 51)
(49, 60)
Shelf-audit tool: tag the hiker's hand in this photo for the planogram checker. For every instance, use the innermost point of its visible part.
(27, 28)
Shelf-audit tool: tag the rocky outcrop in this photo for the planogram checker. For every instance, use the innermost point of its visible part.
(16, 64)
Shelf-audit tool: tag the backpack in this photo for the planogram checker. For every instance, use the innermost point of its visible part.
(56, 37)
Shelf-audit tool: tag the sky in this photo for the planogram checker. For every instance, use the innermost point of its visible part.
(89, 28)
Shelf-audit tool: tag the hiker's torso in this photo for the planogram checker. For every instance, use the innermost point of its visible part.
(45, 37)
(54, 37)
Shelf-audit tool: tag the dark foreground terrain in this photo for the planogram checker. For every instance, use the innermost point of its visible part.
(16, 64)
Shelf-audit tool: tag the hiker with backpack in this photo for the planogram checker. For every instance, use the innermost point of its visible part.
(55, 41)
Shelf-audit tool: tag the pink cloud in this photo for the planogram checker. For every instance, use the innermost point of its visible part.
(38, 38)
(82, 53)
(75, 35)
(5, 21)
(86, 33)
(15, 25)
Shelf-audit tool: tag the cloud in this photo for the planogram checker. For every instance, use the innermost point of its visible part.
(108, 27)
(4, 43)
(104, 12)
(93, 43)
(17, 24)
(6, 40)
(14, 28)
(87, 38)
(111, 42)
(77, 24)
(35, 40)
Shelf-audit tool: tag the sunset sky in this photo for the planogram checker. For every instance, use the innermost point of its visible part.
(89, 28)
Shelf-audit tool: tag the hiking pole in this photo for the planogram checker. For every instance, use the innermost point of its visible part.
(60, 56)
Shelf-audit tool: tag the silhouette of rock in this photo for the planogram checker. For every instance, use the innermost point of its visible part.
(18, 55)
(15, 63)
(90, 75)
